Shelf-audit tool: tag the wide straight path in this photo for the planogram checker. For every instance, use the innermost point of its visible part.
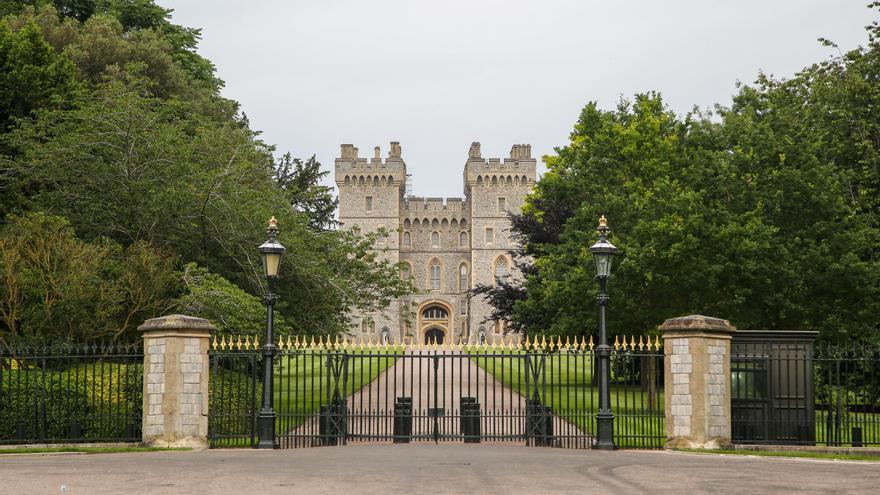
(427, 468)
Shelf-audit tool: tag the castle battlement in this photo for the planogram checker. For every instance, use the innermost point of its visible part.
(391, 170)
(420, 204)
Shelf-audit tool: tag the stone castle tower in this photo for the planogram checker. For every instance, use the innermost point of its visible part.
(447, 246)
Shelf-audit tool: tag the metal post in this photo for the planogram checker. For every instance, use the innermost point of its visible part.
(605, 418)
(267, 412)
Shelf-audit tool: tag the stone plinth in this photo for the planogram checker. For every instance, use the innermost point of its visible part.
(176, 381)
(697, 382)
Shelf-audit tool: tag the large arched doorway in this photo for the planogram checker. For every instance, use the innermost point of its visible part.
(435, 321)
(434, 335)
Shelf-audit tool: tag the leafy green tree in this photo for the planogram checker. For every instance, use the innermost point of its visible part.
(707, 221)
(301, 182)
(56, 287)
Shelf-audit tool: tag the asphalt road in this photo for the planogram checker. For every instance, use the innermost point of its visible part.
(429, 469)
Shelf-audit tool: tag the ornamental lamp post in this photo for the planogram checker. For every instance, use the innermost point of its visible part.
(603, 254)
(271, 252)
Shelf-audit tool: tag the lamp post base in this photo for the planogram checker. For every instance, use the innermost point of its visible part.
(266, 422)
(605, 432)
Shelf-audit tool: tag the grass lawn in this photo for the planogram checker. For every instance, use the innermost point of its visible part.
(566, 383)
(304, 382)
(86, 450)
(789, 453)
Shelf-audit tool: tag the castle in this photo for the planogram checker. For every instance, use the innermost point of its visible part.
(446, 246)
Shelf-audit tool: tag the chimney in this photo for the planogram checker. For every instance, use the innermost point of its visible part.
(377, 153)
(347, 152)
(474, 151)
(394, 152)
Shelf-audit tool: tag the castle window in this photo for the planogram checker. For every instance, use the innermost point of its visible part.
(462, 239)
(407, 239)
(435, 239)
(463, 277)
(368, 326)
(347, 180)
(463, 223)
(369, 203)
(501, 270)
(490, 235)
(434, 313)
(405, 271)
(502, 205)
(464, 303)
(361, 181)
(435, 274)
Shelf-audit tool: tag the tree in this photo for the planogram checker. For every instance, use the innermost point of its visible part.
(301, 182)
(707, 221)
(57, 288)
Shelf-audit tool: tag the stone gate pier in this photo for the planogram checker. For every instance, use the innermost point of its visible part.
(697, 383)
(176, 381)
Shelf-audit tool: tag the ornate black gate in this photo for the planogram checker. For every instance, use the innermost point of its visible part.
(534, 393)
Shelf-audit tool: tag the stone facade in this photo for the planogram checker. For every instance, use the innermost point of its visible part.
(176, 381)
(697, 389)
(447, 245)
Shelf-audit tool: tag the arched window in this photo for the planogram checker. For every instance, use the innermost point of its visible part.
(435, 274)
(361, 181)
(435, 223)
(454, 223)
(435, 239)
(463, 223)
(407, 239)
(405, 271)
(479, 180)
(444, 223)
(463, 284)
(406, 223)
(347, 180)
(368, 326)
(416, 223)
(462, 239)
(386, 335)
(501, 270)
(434, 313)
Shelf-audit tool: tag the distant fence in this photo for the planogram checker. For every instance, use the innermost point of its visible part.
(789, 391)
(71, 394)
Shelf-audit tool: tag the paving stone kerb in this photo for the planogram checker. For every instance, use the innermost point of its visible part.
(176, 381)
(697, 384)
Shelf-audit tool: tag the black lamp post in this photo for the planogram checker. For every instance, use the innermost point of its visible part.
(603, 253)
(271, 252)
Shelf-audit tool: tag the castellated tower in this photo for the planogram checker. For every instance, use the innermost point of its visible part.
(446, 245)
(370, 195)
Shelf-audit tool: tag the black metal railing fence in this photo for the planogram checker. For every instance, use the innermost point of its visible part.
(805, 394)
(533, 393)
(71, 394)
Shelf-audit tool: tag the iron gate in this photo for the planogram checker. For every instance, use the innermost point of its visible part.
(337, 393)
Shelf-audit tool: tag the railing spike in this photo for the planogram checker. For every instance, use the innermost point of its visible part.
(214, 343)
(657, 342)
(591, 343)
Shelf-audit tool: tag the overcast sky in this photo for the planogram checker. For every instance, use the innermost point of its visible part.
(438, 75)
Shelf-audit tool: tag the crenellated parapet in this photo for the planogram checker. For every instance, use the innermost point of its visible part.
(354, 170)
(520, 169)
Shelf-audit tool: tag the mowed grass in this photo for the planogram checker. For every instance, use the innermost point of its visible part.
(566, 384)
(304, 382)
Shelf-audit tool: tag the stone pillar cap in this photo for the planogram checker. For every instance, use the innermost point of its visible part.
(697, 323)
(176, 322)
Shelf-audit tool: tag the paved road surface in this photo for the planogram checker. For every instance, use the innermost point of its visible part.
(430, 469)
